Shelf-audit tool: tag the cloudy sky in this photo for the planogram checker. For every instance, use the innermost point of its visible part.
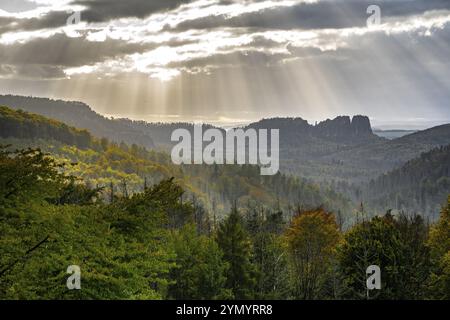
(226, 61)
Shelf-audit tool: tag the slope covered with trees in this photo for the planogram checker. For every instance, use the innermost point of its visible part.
(81, 116)
(149, 245)
(140, 227)
(368, 161)
(25, 125)
(124, 169)
(421, 185)
(343, 149)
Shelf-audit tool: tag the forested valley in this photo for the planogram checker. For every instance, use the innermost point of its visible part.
(141, 228)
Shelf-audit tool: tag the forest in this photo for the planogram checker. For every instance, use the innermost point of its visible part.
(140, 227)
(339, 156)
(214, 158)
(125, 169)
(419, 185)
(154, 245)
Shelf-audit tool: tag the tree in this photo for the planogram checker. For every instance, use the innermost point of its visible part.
(440, 252)
(269, 254)
(200, 271)
(311, 238)
(413, 257)
(237, 249)
(397, 246)
(77, 192)
(271, 261)
(122, 248)
(28, 174)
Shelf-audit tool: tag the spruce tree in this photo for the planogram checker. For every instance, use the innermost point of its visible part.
(237, 248)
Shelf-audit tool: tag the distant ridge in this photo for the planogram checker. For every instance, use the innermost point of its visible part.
(24, 125)
(393, 133)
(421, 185)
(340, 129)
(342, 149)
(80, 115)
(438, 135)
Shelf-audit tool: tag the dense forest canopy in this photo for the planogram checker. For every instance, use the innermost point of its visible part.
(127, 169)
(140, 227)
(421, 185)
(154, 245)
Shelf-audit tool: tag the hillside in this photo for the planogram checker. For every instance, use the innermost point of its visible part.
(344, 149)
(304, 148)
(436, 135)
(393, 134)
(341, 151)
(81, 116)
(129, 168)
(156, 244)
(421, 185)
(20, 124)
(385, 155)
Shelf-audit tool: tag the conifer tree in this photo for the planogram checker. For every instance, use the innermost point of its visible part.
(440, 255)
(200, 270)
(237, 248)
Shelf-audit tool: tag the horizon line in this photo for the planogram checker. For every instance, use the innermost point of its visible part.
(224, 122)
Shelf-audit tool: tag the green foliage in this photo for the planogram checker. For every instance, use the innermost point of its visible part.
(440, 251)
(77, 193)
(414, 257)
(123, 248)
(80, 115)
(26, 125)
(271, 262)
(420, 185)
(26, 175)
(312, 238)
(269, 253)
(112, 267)
(398, 246)
(237, 249)
(148, 229)
(201, 271)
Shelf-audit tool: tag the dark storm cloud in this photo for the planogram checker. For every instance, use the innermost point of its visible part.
(105, 10)
(96, 11)
(37, 72)
(61, 50)
(50, 20)
(5, 24)
(365, 57)
(323, 14)
(47, 58)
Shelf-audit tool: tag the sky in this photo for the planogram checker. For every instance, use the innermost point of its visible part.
(230, 62)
